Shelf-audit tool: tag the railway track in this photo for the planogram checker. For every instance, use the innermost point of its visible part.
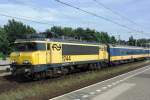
(10, 83)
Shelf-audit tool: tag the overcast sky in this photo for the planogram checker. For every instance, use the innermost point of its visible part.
(54, 13)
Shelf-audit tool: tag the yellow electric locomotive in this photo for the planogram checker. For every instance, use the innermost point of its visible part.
(38, 58)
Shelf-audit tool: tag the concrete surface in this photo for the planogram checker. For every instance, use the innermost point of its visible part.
(134, 85)
(4, 64)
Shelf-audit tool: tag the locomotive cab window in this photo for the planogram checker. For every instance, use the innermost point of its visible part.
(30, 46)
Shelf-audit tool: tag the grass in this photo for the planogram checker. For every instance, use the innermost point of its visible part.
(64, 85)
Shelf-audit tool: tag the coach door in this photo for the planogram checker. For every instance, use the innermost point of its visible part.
(56, 52)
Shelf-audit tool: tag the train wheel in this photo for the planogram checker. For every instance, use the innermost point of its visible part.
(49, 73)
(91, 67)
(95, 66)
(36, 76)
(43, 75)
(99, 66)
(71, 69)
(65, 71)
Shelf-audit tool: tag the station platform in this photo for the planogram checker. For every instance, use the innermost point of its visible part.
(133, 85)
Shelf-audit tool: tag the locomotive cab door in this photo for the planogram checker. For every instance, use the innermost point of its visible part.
(48, 53)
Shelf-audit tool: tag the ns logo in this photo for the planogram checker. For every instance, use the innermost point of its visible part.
(56, 47)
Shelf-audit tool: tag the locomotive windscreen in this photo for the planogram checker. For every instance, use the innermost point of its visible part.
(29, 46)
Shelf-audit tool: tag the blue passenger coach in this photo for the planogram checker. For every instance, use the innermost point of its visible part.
(127, 53)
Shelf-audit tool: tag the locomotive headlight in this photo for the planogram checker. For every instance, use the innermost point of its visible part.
(26, 62)
(13, 61)
(27, 70)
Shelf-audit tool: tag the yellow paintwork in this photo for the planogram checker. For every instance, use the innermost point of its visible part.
(56, 56)
(53, 56)
(103, 54)
(76, 58)
(115, 58)
(35, 58)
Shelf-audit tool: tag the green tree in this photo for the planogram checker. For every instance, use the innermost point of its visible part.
(79, 33)
(113, 40)
(90, 35)
(15, 29)
(142, 42)
(97, 36)
(57, 30)
(104, 37)
(4, 43)
(131, 41)
(86, 34)
(68, 31)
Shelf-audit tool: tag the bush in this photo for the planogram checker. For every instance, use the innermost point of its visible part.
(2, 56)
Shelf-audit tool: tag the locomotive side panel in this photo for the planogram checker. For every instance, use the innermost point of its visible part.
(76, 53)
(56, 53)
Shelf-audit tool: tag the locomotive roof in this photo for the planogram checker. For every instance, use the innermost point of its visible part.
(56, 40)
(73, 41)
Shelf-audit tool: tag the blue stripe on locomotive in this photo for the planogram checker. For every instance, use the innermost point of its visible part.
(126, 51)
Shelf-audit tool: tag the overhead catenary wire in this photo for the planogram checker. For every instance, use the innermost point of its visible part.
(26, 19)
(115, 12)
(47, 23)
(37, 8)
(96, 15)
(120, 15)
